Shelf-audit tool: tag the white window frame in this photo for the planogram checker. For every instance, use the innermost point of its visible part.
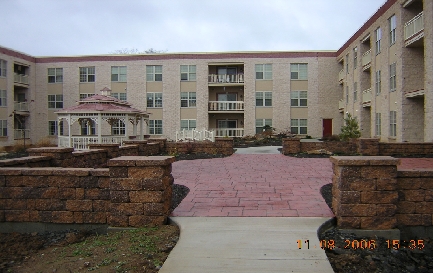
(118, 128)
(53, 127)
(378, 83)
(261, 123)
(188, 99)
(347, 63)
(3, 68)
(263, 71)
(188, 124)
(188, 73)
(297, 98)
(392, 123)
(154, 100)
(3, 98)
(85, 95)
(355, 57)
(87, 74)
(56, 101)
(3, 128)
(155, 127)
(55, 75)
(392, 27)
(347, 94)
(392, 77)
(298, 125)
(355, 91)
(120, 96)
(378, 124)
(118, 73)
(378, 35)
(154, 73)
(299, 71)
(265, 97)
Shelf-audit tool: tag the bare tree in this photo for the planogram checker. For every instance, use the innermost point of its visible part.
(136, 51)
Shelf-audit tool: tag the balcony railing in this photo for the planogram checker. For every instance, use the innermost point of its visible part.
(21, 133)
(414, 26)
(236, 78)
(19, 78)
(195, 135)
(21, 106)
(341, 76)
(226, 106)
(341, 105)
(229, 132)
(366, 60)
(366, 98)
(82, 142)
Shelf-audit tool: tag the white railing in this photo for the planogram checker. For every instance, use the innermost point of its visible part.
(21, 133)
(229, 132)
(366, 58)
(195, 135)
(366, 96)
(21, 106)
(19, 78)
(226, 105)
(82, 142)
(236, 78)
(341, 75)
(415, 25)
(341, 104)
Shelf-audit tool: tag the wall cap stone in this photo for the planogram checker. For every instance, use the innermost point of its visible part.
(364, 160)
(11, 171)
(126, 161)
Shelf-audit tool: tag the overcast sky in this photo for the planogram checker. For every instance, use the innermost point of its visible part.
(87, 27)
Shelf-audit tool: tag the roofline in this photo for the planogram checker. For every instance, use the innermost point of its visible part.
(388, 4)
(17, 54)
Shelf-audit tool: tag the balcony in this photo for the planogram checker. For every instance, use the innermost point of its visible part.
(341, 76)
(366, 60)
(21, 79)
(341, 105)
(226, 106)
(21, 133)
(224, 79)
(414, 30)
(21, 106)
(414, 93)
(229, 132)
(366, 98)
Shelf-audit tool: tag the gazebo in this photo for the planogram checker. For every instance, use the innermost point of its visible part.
(91, 113)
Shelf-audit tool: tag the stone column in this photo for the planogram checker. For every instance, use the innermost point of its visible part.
(291, 146)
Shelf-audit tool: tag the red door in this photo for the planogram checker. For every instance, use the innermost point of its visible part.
(327, 127)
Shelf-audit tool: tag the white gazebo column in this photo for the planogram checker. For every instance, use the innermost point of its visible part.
(70, 131)
(126, 127)
(99, 128)
(141, 127)
(58, 133)
(134, 126)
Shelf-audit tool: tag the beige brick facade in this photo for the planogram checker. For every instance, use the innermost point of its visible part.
(414, 70)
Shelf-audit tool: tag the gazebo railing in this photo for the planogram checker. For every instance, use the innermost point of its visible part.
(82, 142)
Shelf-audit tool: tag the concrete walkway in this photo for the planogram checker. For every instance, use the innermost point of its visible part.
(247, 244)
(259, 150)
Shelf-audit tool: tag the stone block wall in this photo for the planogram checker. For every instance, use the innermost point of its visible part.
(68, 158)
(220, 146)
(391, 149)
(145, 147)
(29, 161)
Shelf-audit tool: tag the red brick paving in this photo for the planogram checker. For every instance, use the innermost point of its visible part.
(269, 185)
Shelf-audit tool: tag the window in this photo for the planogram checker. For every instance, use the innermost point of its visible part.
(299, 71)
(263, 98)
(392, 77)
(3, 98)
(154, 73)
(55, 101)
(378, 33)
(378, 83)
(118, 127)
(3, 128)
(85, 95)
(155, 127)
(378, 124)
(261, 123)
(188, 124)
(347, 64)
(188, 99)
(355, 91)
(3, 65)
(347, 94)
(263, 71)
(53, 129)
(392, 26)
(154, 100)
(392, 123)
(298, 98)
(187, 73)
(119, 96)
(118, 73)
(355, 57)
(87, 74)
(298, 126)
(55, 75)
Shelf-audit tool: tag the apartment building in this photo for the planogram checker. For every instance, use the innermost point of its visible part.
(382, 75)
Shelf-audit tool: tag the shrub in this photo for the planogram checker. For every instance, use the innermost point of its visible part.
(350, 129)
